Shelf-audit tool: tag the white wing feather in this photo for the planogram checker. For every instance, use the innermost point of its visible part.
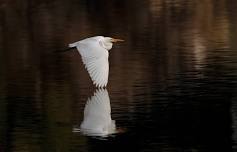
(95, 59)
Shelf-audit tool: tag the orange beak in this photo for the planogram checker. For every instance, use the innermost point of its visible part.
(116, 40)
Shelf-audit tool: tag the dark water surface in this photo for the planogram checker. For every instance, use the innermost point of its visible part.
(172, 84)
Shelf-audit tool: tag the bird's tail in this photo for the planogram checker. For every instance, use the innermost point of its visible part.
(72, 45)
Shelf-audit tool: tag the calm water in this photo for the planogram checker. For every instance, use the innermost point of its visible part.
(172, 84)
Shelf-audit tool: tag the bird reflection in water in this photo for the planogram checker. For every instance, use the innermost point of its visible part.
(97, 116)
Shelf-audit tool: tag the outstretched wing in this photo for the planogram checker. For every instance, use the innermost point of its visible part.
(96, 61)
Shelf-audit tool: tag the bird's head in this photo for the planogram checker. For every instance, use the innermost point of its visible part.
(107, 42)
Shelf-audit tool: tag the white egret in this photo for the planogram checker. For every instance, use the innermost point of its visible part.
(94, 53)
(97, 116)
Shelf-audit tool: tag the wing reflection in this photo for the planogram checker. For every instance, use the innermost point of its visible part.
(97, 115)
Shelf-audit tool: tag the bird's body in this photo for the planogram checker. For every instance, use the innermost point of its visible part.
(94, 53)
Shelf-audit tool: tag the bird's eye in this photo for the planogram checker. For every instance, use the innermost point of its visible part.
(101, 43)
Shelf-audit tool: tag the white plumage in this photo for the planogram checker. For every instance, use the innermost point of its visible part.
(97, 115)
(94, 53)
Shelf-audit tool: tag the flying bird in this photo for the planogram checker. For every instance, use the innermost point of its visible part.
(95, 53)
(97, 119)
